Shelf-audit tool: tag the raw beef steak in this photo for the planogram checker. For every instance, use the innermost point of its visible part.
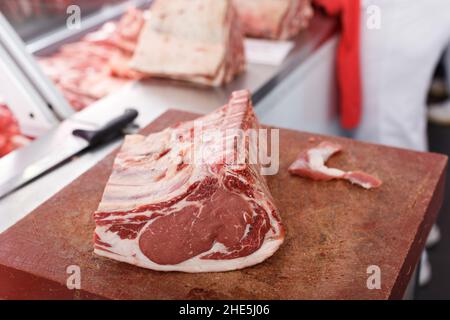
(163, 209)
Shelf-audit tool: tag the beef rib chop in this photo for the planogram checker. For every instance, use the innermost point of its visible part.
(163, 211)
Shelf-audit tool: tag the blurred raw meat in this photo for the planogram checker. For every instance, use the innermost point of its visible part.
(274, 19)
(198, 41)
(97, 65)
(10, 137)
(84, 71)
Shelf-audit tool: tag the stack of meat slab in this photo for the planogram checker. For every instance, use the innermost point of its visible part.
(274, 19)
(198, 41)
(167, 208)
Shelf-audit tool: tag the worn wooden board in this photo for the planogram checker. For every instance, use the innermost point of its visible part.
(335, 231)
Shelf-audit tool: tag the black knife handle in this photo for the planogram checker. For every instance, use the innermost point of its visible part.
(109, 131)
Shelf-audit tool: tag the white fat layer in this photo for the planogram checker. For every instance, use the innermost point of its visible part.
(246, 231)
(317, 159)
(197, 264)
(365, 185)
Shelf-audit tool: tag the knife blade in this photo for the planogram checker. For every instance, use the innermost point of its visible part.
(22, 166)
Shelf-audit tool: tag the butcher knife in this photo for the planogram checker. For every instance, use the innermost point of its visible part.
(69, 139)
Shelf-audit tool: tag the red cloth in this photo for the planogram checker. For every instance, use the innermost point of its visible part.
(348, 58)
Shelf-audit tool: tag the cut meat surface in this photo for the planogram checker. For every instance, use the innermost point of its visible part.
(163, 209)
(274, 19)
(312, 164)
(197, 41)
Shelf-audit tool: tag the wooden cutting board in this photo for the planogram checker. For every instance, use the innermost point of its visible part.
(335, 231)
